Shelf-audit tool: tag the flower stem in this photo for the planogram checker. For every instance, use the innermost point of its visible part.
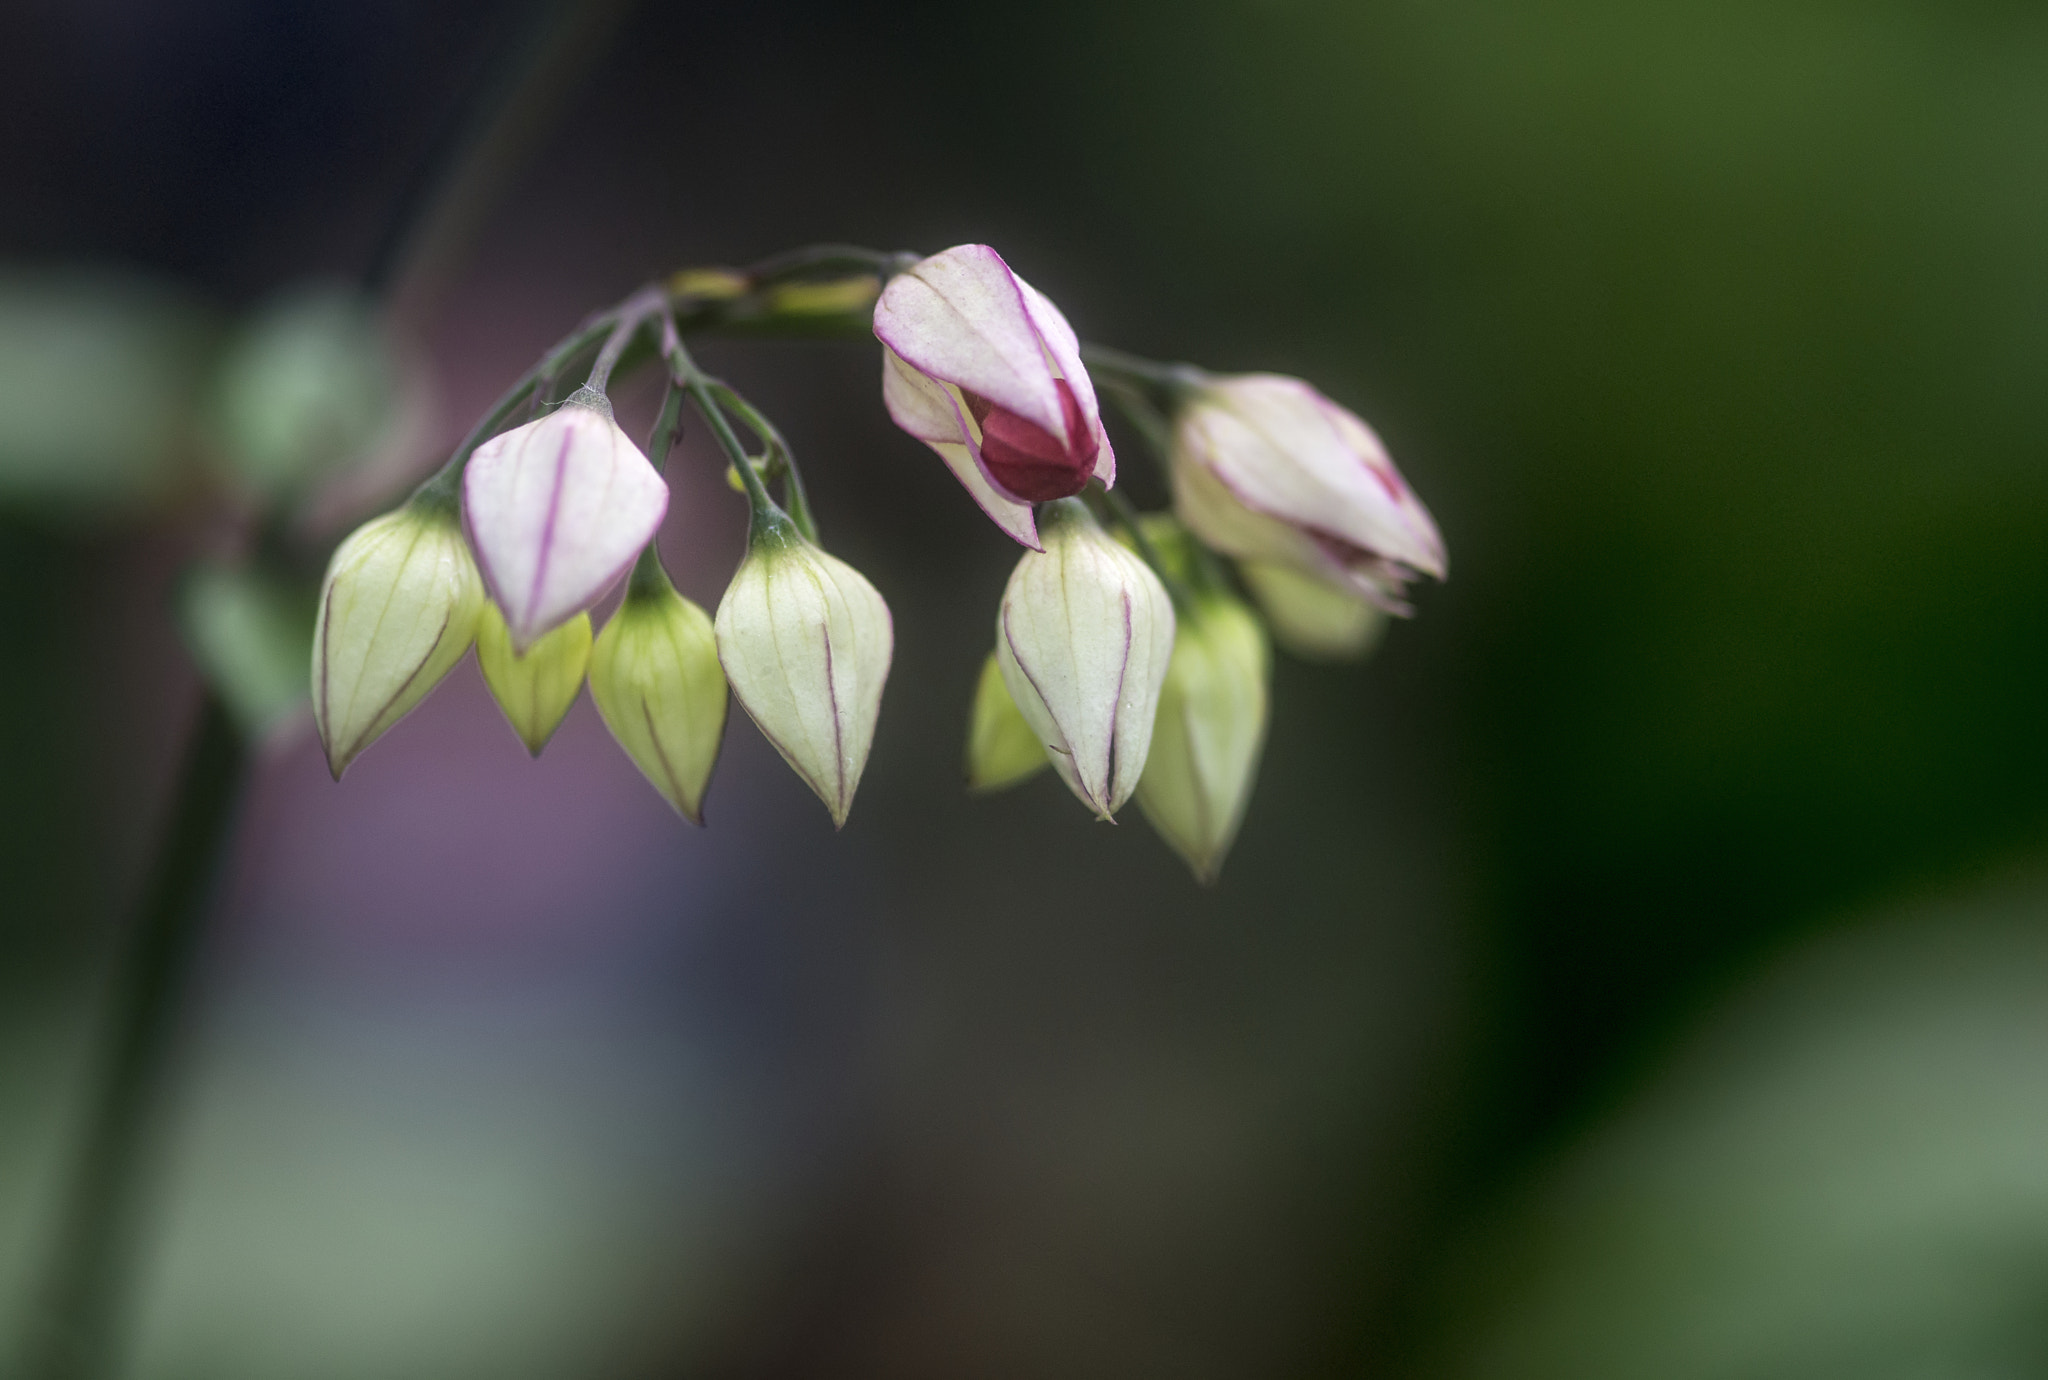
(767, 515)
(629, 317)
(782, 459)
(88, 1282)
(1127, 516)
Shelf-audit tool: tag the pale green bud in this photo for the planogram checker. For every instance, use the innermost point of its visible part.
(1001, 748)
(1314, 618)
(1083, 639)
(534, 690)
(806, 641)
(654, 676)
(1209, 732)
(398, 609)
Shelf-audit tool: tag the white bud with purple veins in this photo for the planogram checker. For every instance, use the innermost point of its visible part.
(558, 510)
(1267, 468)
(983, 368)
(398, 609)
(1083, 639)
(806, 641)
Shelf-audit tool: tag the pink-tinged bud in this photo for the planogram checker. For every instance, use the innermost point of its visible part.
(1266, 468)
(557, 511)
(1083, 641)
(983, 369)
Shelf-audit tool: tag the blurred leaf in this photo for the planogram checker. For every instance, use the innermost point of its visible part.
(252, 636)
(308, 386)
(1842, 1175)
(99, 377)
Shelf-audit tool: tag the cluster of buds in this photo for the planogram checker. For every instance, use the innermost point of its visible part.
(1126, 656)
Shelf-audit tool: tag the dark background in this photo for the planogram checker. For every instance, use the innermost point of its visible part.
(1634, 969)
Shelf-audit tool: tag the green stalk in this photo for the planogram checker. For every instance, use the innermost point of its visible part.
(75, 1337)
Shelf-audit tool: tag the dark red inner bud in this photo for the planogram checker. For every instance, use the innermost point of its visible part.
(1027, 459)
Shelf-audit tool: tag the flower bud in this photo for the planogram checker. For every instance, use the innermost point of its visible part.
(1210, 729)
(557, 510)
(1267, 468)
(1315, 618)
(1001, 748)
(536, 687)
(1083, 640)
(982, 368)
(398, 609)
(655, 678)
(805, 641)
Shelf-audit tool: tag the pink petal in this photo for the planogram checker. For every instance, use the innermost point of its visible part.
(961, 317)
(927, 410)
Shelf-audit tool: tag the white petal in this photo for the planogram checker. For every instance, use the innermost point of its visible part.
(1283, 449)
(934, 414)
(961, 317)
(1083, 640)
(557, 511)
(806, 642)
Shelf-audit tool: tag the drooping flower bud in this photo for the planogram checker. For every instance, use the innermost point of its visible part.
(1083, 640)
(982, 368)
(1314, 617)
(536, 687)
(1267, 468)
(557, 510)
(1209, 732)
(1001, 748)
(398, 609)
(806, 641)
(655, 678)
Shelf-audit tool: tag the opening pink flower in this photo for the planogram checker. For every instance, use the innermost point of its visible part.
(983, 369)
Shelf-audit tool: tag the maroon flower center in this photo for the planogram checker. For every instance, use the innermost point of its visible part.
(1028, 460)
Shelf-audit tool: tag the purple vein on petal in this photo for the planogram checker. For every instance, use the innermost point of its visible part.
(1065, 749)
(1123, 669)
(838, 733)
(547, 531)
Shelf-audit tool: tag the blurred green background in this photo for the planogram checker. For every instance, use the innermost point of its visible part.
(1635, 969)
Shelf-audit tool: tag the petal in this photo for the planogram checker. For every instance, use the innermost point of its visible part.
(806, 643)
(1285, 450)
(558, 510)
(1064, 349)
(934, 414)
(398, 609)
(1083, 640)
(657, 683)
(1013, 515)
(961, 317)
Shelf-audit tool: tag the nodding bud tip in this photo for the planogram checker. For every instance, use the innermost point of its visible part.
(656, 681)
(398, 608)
(806, 643)
(557, 510)
(1083, 638)
(534, 688)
